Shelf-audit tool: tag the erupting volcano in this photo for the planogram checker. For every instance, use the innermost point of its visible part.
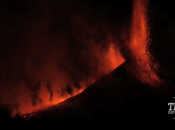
(65, 56)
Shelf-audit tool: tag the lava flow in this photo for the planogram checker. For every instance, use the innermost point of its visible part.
(56, 67)
(48, 82)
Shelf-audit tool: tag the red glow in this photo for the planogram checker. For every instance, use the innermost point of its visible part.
(108, 60)
(53, 72)
(139, 42)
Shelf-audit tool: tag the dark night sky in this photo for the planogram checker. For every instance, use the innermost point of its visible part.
(32, 31)
(17, 15)
(162, 30)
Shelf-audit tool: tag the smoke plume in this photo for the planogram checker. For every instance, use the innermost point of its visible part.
(53, 50)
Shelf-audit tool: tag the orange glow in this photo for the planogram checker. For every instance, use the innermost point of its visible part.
(108, 59)
(26, 106)
(113, 59)
(57, 66)
(139, 42)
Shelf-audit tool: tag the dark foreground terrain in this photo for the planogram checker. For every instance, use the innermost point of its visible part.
(115, 97)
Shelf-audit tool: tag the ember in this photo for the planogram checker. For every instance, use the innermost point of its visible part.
(140, 57)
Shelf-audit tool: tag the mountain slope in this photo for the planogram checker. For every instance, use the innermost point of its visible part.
(117, 96)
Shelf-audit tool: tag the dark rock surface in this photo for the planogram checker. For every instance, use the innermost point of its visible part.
(115, 97)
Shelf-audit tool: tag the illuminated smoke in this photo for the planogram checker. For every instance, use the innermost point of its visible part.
(56, 57)
(61, 52)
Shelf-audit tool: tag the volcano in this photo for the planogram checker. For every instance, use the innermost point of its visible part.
(86, 62)
(117, 96)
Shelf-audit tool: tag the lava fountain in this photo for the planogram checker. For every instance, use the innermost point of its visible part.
(140, 59)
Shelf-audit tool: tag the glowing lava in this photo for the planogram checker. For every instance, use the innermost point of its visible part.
(139, 42)
(59, 89)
